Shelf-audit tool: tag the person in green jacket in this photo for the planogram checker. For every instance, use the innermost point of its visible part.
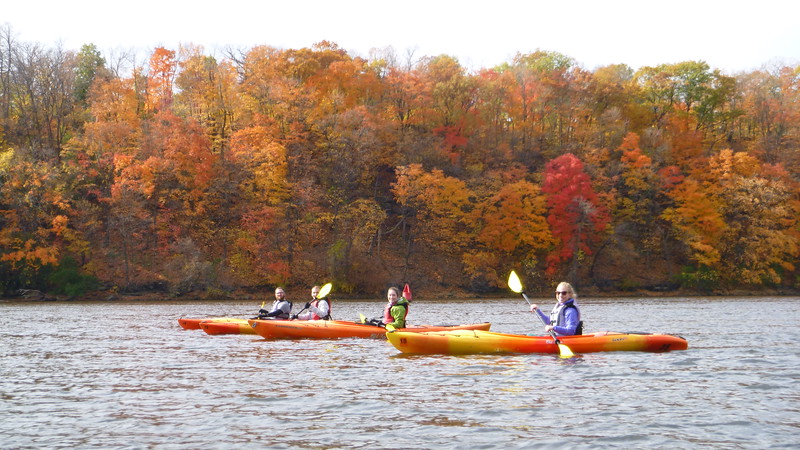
(396, 309)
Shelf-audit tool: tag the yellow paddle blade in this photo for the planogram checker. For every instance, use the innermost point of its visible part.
(389, 327)
(513, 282)
(363, 318)
(564, 351)
(324, 290)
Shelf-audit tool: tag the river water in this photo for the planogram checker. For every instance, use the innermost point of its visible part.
(125, 375)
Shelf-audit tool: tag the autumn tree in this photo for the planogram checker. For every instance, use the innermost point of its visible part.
(35, 212)
(543, 105)
(614, 111)
(577, 218)
(493, 101)
(351, 255)
(511, 231)
(453, 99)
(259, 235)
(739, 221)
(691, 98)
(162, 190)
(436, 206)
(161, 79)
(207, 92)
(770, 126)
(42, 99)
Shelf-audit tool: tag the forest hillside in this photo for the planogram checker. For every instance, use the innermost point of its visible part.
(188, 174)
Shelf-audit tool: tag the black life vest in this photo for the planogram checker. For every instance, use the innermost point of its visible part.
(579, 328)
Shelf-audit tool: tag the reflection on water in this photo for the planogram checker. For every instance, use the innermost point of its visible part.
(126, 375)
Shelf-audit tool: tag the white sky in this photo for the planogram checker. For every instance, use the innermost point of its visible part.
(730, 35)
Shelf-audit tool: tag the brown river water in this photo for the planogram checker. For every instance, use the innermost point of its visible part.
(125, 375)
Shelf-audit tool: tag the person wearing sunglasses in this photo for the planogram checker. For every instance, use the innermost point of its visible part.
(565, 319)
(281, 308)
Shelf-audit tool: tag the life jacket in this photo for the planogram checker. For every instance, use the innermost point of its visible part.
(557, 317)
(276, 305)
(387, 312)
(315, 304)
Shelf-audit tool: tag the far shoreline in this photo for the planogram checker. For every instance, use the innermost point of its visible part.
(34, 296)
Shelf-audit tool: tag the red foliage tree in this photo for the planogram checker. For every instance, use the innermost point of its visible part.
(577, 218)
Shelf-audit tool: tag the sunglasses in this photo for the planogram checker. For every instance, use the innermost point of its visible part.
(562, 292)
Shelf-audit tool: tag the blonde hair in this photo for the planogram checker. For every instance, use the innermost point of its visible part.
(564, 286)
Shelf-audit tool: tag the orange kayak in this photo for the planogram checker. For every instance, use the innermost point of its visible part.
(235, 326)
(472, 342)
(194, 323)
(337, 329)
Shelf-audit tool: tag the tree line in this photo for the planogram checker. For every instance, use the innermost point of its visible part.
(194, 173)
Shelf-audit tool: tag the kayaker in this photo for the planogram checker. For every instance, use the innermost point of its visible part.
(565, 319)
(281, 308)
(317, 308)
(396, 309)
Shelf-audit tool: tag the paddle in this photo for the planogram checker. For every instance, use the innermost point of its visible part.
(372, 322)
(262, 307)
(516, 286)
(323, 291)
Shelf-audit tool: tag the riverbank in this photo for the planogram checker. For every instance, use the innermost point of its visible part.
(29, 295)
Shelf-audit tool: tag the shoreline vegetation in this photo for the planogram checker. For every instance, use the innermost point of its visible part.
(441, 294)
(193, 175)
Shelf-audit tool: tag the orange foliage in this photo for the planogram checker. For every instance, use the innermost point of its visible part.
(278, 165)
(160, 79)
(698, 218)
(440, 203)
(514, 219)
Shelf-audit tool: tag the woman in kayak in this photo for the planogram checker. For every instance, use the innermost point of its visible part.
(318, 308)
(565, 319)
(396, 309)
(281, 308)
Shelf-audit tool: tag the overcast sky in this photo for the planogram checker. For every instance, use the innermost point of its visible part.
(729, 35)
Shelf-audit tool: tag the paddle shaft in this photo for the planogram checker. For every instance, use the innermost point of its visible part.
(329, 303)
(299, 312)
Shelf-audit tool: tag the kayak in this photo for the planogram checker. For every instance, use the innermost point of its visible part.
(194, 323)
(337, 329)
(471, 342)
(235, 326)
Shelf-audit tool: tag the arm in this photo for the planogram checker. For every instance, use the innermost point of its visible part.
(544, 316)
(571, 323)
(274, 313)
